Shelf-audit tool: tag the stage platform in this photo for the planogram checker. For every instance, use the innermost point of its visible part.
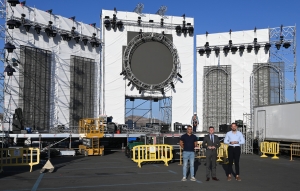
(115, 172)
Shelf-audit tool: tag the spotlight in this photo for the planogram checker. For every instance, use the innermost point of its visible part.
(73, 30)
(155, 99)
(23, 17)
(191, 30)
(249, 48)
(286, 44)
(139, 21)
(217, 50)
(140, 90)
(27, 26)
(230, 43)
(207, 50)
(162, 91)
(85, 40)
(179, 75)
(256, 47)
(278, 45)
(98, 44)
(76, 38)
(172, 85)
(241, 48)
(9, 70)
(93, 42)
(9, 47)
(178, 29)
(17, 24)
(129, 83)
(234, 49)
(13, 3)
(48, 31)
(64, 36)
(162, 22)
(107, 24)
(267, 46)
(11, 23)
(37, 28)
(120, 25)
(123, 72)
(184, 29)
(226, 49)
(201, 51)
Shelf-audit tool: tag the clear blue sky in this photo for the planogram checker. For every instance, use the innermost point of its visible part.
(212, 16)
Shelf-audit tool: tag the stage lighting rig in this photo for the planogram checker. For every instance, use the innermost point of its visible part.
(64, 36)
(27, 26)
(9, 47)
(37, 28)
(201, 51)
(13, 3)
(256, 47)
(85, 40)
(11, 23)
(119, 25)
(9, 70)
(217, 50)
(129, 83)
(76, 38)
(172, 85)
(162, 10)
(107, 22)
(178, 29)
(179, 75)
(233, 49)
(162, 22)
(23, 18)
(139, 21)
(123, 73)
(241, 48)
(190, 29)
(286, 44)
(249, 48)
(207, 50)
(184, 28)
(267, 46)
(226, 49)
(15, 62)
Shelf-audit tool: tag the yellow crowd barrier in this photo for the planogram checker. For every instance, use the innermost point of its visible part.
(222, 153)
(19, 157)
(200, 151)
(295, 150)
(269, 148)
(152, 153)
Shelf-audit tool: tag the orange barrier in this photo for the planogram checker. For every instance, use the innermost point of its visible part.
(19, 157)
(269, 148)
(295, 150)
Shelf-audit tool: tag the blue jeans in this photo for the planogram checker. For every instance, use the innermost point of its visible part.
(188, 155)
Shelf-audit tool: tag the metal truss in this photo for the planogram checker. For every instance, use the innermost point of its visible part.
(247, 131)
(128, 53)
(139, 8)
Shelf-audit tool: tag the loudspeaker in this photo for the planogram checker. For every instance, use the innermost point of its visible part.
(164, 128)
(224, 128)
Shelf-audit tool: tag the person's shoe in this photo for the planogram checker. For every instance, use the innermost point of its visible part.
(183, 179)
(193, 179)
(238, 178)
(215, 178)
(207, 179)
(228, 178)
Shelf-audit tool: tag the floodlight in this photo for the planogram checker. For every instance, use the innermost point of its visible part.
(172, 85)
(234, 49)
(37, 28)
(207, 50)
(226, 49)
(85, 40)
(201, 51)
(217, 50)
(286, 44)
(241, 48)
(278, 45)
(256, 47)
(179, 75)
(107, 24)
(9, 47)
(249, 48)
(11, 23)
(9, 70)
(120, 25)
(27, 26)
(178, 29)
(76, 38)
(191, 30)
(267, 46)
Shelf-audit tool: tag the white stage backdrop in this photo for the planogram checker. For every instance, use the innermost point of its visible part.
(241, 67)
(61, 52)
(115, 87)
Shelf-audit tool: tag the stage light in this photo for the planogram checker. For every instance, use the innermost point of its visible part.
(267, 46)
(9, 70)
(27, 26)
(161, 22)
(76, 38)
(172, 85)
(140, 91)
(48, 31)
(17, 24)
(53, 33)
(93, 42)
(23, 18)
(155, 99)
(178, 29)
(191, 30)
(278, 45)
(123, 72)
(162, 91)
(9, 47)
(11, 23)
(114, 21)
(37, 29)
(120, 25)
(234, 49)
(184, 29)
(129, 83)
(256, 47)
(64, 36)
(73, 30)
(107, 24)
(217, 50)
(226, 49)
(139, 21)
(85, 40)
(230, 43)
(286, 44)
(207, 50)
(249, 48)
(13, 3)
(206, 44)
(179, 75)
(201, 51)
(98, 44)
(241, 48)
(131, 99)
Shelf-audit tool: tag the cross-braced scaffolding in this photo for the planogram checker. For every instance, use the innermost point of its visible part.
(247, 131)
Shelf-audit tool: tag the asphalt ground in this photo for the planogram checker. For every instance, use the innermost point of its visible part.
(114, 171)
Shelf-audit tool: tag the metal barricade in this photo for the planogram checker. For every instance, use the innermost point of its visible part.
(200, 151)
(295, 150)
(19, 157)
(269, 148)
(222, 153)
(152, 153)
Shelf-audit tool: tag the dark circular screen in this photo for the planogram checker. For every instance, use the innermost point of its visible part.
(152, 62)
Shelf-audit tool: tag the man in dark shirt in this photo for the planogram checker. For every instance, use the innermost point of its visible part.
(188, 142)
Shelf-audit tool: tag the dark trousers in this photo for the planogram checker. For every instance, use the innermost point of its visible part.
(211, 158)
(194, 128)
(234, 154)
